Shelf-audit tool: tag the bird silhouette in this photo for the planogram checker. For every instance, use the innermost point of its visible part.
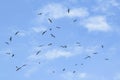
(74, 71)
(50, 29)
(58, 27)
(52, 35)
(68, 10)
(64, 46)
(49, 20)
(106, 59)
(39, 13)
(95, 53)
(13, 55)
(16, 32)
(18, 68)
(102, 46)
(49, 44)
(10, 39)
(87, 57)
(7, 43)
(63, 69)
(75, 20)
(38, 52)
(44, 32)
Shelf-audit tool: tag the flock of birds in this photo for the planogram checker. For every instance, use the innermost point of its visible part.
(39, 51)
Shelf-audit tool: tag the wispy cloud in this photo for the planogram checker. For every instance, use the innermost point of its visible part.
(105, 5)
(97, 23)
(39, 29)
(56, 11)
(69, 75)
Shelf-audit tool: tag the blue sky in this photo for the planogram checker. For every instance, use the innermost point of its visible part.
(97, 24)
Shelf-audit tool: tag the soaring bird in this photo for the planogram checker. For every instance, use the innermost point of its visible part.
(75, 20)
(53, 71)
(13, 55)
(18, 68)
(39, 13)
(106, 59)
(24, 65)
(50, 29)
(58, 27)
(76, 64)
(95, 53)
(41, 45)
(74, 71)
(87, 57)
(63, 69)
(82, 64)
(64, 46)
(38, 52)
(8, 53)
(49, 20)
(44, 32)
(102, 46)
(38, 62)
(68, 10)
(52, 35)
(7, 43)
(16, 32)
(10, 38)
(49, 44)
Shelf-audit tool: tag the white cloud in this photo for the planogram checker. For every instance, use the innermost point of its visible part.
(96, 23)
(105, 5)
(69, 75)
(39, 29)
(29, 72)
(57, 53)
(56, 11)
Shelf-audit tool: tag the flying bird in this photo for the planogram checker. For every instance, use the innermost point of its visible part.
(63, 69)
(49, 44)
(74, 71)
(76, 64)
(10, 38)
(50, 29)
(102, 46)
(53, 71)
(39, 13)
(75, 20)
(38, 52)
(49, 20)
(64, 46)
(16, 32)
(87, 57)
(38, 62)
(106, 59)
(8, 53)
(44, 32)
(58, 27)
(82, 64)
(95, 53)
(41, 45)
(52, 35)
(7, 43)
(12, 55)
(18, 68)
(68, 10)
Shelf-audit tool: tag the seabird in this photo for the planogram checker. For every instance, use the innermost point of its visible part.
(52, 35)
(50, 20)
(44, 32)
